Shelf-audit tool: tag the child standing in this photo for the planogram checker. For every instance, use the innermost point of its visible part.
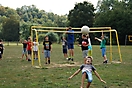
(87, 69)
(84, 46)
(89, 46)
(24, 52)
(47, 49)
(1, 48)
(64, 46)
(35, 49)
(103, 47)
(29, 48)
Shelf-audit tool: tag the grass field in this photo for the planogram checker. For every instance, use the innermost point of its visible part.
(15, 73)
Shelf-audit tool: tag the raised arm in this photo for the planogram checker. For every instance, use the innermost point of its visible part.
(102, 35)
(99, 77)
(74, 74)
(98, 39)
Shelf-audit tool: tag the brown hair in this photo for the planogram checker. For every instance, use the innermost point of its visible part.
(89, 57)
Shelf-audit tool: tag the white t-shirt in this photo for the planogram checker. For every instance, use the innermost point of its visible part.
(35, 46)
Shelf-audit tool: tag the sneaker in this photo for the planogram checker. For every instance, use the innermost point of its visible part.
(71, 59)
(29, 59)
(36, 58)
(105, 62)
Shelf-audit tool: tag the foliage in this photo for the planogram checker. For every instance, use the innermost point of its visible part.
(82, 14)
(10, 29)
(117, 15)
(53, 36)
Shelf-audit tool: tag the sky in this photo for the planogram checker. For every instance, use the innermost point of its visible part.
(60, 7)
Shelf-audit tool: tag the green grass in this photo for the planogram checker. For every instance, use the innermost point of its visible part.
(15, 73)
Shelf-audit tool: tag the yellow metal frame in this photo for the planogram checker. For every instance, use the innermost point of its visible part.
(36, 33)
(55, 29)
(129, 37)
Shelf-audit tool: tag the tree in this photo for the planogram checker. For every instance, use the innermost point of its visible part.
(82, 14)
(116, 15)
(10, 29)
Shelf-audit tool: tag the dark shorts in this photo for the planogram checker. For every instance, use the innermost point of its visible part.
(29, 52)
(35, 52)
(70, 46)
(0, 55)
(64, 50)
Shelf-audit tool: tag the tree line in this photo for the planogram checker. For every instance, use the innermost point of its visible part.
(15, 23)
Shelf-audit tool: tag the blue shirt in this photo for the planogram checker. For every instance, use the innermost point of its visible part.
(70, 37)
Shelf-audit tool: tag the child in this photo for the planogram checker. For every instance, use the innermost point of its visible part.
(35, 49)
(84, 46)
(103, 47)
(29, 48)
(70, 43)
(87, 69)
(24, 52)
(46, 49)
(89, 46)
(1, 48)
(64, 45)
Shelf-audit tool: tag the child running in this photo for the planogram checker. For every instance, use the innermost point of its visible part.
(87, 69)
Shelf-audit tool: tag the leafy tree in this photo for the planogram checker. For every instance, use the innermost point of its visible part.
(82, 14)
(10, 29)
(117, 15)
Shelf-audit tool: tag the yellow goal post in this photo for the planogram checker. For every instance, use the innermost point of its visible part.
(129, 37)
(37, 29)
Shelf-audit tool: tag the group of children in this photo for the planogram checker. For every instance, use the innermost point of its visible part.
(27, 49)
(87, 67)
(28, 45)
(86, 47)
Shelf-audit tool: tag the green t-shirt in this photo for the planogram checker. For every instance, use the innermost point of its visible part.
(102, 44)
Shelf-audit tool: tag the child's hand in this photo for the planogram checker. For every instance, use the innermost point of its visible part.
(102, 81)
(69, 78)
(95, 38)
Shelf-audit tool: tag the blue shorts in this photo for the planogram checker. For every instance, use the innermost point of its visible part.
(24, 51)
(103, 51)
(89, 47)
(89, 76)
(70, 46)
(46, 53)
(65, 51)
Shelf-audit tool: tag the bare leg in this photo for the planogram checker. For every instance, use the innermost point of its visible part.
(88, 85)
(22, 56)
(65, 55)
(105, 58)
(83, 78)
(72, 52)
